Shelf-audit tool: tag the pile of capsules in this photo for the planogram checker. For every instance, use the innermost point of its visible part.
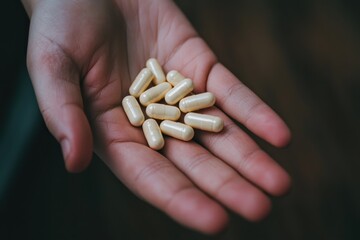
(174, 88)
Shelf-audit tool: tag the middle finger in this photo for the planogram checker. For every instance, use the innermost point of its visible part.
(216, 178)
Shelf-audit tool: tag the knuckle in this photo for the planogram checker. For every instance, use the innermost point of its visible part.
(247, 160)
(197, 160)
(223, 184)
(151, 169)
(236, 89)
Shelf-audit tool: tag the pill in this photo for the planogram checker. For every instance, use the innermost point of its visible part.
(155, 93)
(153, 134)
(177, 130)
(197, 102)
(179, 91)
(174, 77)
(204, 122)
(162, 111)
(133, 111)
(155, 67)
(141, 82)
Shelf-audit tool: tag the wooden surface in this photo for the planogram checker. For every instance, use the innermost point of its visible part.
(301, 57)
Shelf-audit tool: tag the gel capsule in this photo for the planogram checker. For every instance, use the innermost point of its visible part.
(197, 102)
(179, 91)
(133, 111)
(156, 69)
(177, 130)
(141, 82)
(153, 134)
(204, 122)
(174, 77)
(162, 111)
(154, 94)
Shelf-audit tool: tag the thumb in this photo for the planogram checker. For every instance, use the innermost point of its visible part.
(56, 82)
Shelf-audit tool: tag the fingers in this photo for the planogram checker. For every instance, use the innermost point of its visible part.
(217, 179)
(237, 149)
(234, 98)
(152, 177)
(195, 60)
(56, 83)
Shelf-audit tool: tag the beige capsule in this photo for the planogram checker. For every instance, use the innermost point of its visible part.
(162, 111)
(174, 77)
(197, 102)
(204, 122)
(153, 134)
(177, 130)
(156, 69)
(154, 94)
(141, 82)
(179, 91)
(133, 111)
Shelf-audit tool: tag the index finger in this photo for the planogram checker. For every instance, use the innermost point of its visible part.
(239, 102)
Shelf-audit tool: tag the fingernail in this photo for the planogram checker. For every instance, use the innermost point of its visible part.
(65, 146)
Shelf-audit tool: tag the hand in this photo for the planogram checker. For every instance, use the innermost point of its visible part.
(82, 57)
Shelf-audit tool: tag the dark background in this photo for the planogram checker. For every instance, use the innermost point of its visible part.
(301, 57)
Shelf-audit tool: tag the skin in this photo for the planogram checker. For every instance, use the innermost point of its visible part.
(82, 57)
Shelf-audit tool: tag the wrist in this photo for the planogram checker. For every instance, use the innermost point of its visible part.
(29, 6)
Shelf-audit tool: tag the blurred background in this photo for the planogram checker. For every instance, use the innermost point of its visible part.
(301, 57)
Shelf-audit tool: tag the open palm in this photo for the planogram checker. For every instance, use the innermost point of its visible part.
(82, 57)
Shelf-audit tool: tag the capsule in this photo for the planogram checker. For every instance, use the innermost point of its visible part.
(133, 111)
(154, 94)
(174, 77)
(141, 82)
(204, 122)
(179, 91)
(177, 130)
(162, 112)
(156, 69)
(197, 102)
(153, 134)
